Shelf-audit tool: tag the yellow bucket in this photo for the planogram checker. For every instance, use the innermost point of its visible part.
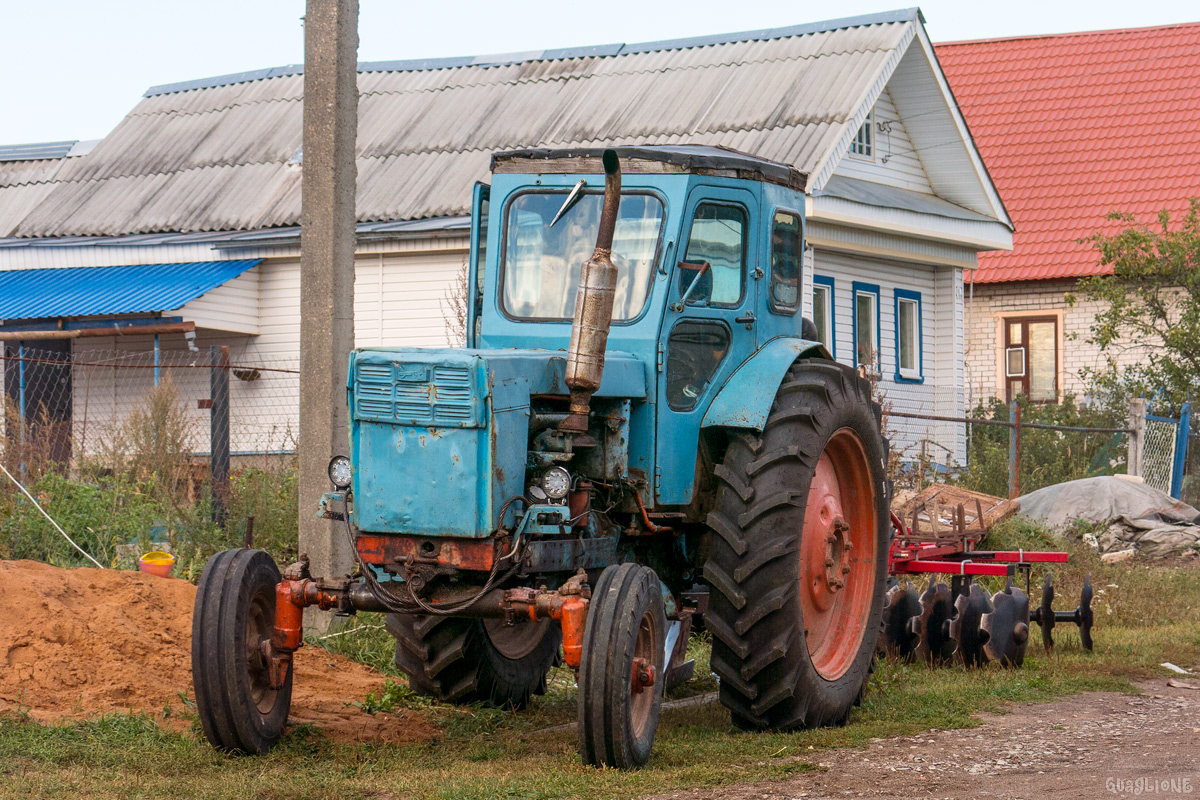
(157, 563)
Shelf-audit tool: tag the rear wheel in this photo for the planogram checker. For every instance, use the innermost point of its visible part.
(468, 660)
(798, 554)
(233, 617)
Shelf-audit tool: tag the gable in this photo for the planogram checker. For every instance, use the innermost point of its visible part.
(896, 161)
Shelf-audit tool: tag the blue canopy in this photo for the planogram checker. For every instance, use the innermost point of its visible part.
(105, 291)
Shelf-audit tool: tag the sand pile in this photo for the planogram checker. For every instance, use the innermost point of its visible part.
(84, 641)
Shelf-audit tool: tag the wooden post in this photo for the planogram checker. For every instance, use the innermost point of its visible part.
(1137, 439)
(327, 239)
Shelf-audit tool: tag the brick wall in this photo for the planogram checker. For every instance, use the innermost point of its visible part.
(987, 304)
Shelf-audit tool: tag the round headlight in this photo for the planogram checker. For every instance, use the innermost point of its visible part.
(340, 472)
(556, 482)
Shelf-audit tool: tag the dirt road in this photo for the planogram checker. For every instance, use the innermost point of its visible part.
(1089, 746)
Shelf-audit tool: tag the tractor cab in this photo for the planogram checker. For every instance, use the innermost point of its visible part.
(637, 422)
(708, 248)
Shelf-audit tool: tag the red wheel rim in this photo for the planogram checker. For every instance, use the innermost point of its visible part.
(641, 702)
(837, 555)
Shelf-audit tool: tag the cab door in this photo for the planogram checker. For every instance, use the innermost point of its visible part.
(708, 328)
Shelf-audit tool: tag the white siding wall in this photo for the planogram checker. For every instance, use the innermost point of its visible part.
(896, 162)
(399, 300)
(941, 344)
(232, 306)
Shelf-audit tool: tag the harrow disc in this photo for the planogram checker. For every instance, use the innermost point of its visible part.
(1045, 613)
(1084, 614)
(934, 645)
(966, 628)
(903, 606)
(1007, 627)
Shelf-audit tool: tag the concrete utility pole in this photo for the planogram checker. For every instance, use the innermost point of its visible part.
(326, 267)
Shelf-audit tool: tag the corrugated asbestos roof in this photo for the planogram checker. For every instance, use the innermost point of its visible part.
(219, 154)
(94, 291)
(1075, 126)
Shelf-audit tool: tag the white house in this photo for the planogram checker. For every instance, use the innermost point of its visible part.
(899, 201)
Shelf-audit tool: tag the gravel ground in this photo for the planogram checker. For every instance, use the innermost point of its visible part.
(1094, 745)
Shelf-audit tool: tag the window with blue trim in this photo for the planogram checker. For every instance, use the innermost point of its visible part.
(866, 324)
(822, 310)
(909, 356)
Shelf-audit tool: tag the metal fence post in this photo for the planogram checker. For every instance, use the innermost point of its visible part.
(1014, 449)
(1137, 436)
(219, 430)
(1181, 444)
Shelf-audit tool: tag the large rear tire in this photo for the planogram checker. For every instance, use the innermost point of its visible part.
(798, 554)
(233, 616)
(459, 660)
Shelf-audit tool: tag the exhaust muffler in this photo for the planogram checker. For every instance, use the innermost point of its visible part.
(593, 307)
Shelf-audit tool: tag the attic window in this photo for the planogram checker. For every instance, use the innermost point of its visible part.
(863, 145)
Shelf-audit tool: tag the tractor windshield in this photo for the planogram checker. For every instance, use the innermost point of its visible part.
(542, 262)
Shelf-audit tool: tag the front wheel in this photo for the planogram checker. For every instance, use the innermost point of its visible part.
(798, 554)
(233, 617)
(622, 670)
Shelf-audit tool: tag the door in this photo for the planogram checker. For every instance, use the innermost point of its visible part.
(708, 328)
(37, 384)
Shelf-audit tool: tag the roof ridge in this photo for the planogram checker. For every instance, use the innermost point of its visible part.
(586, 76)
(1067, 35)
(605, 50)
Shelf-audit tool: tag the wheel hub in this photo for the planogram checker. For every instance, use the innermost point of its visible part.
(643, 675)
(837, 555)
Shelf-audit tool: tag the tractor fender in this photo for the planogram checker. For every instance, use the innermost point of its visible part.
(745, 400)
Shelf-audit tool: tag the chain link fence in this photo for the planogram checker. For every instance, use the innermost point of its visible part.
(1161, 438)
(118, 447)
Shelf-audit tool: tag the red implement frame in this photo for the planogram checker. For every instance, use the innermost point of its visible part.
(952, 552)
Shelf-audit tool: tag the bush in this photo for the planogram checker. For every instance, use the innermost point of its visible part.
(101, 512)
(1047, 457)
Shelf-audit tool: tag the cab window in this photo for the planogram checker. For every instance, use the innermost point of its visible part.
(715, 259)
(695, 349)
(787, 248)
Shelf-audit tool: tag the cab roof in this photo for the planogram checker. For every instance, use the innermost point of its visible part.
(695, 159)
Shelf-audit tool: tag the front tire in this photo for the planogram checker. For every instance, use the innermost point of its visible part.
(234, 614)
(798, 554)
(623, 642)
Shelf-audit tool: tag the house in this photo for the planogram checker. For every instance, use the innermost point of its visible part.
(1072, 127)
(208, 173)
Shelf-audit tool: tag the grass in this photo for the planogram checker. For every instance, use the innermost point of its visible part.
(1145, 614)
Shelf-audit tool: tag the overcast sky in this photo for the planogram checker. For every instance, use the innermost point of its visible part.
(71, 69)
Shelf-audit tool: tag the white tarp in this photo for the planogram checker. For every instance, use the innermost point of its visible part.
(1138, 516)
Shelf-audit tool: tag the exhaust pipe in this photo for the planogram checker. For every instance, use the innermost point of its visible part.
(593, 307)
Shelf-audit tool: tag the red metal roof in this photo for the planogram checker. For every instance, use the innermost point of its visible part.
(1074, 126)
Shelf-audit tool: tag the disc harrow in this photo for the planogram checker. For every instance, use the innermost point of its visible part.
(960, 622)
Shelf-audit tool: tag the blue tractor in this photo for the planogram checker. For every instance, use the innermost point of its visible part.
(640, 428)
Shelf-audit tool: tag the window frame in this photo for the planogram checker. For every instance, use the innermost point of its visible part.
(871, 290)
(779, 308)
(918, 375)
(828, 284)
(868, 126)
(1026, 379)
(746, 216)
(655, 264)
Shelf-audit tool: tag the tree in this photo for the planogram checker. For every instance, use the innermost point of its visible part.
(1150, 308)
